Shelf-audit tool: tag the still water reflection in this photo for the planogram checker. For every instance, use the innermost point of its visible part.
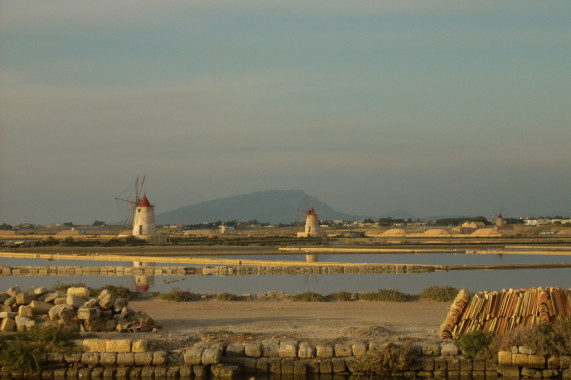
(475, 280)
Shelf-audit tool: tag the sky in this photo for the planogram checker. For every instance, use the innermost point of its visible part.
(432, 107)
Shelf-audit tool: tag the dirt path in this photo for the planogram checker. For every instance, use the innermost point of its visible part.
(187, 322)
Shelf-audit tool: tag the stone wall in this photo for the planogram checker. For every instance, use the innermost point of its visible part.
(126, 358)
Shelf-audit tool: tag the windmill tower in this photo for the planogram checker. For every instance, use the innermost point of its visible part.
(500, 221)
(142, 213)
(312, 228)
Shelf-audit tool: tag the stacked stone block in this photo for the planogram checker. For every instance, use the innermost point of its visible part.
(21, 310)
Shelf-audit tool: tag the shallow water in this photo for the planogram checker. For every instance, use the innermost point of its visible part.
(475, 280)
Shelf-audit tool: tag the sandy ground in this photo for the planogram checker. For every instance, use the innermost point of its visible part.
(185, 323)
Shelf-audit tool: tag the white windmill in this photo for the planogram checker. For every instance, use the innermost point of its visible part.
(312, 228)
(141, 214)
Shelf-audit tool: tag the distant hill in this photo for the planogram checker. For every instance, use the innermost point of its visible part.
(273, 206)
(399, 214)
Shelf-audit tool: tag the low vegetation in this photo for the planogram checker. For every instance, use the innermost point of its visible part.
(439, 293)
(386, 359)
(548, 339)
(227, 297)
(308, 297)
(21, 351)
(177, 295)
(385, 295)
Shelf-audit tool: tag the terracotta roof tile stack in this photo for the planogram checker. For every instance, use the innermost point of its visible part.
(499, 312)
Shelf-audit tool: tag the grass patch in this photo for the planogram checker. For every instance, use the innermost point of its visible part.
(307, 297)
(342, 296)
(386, 359)
(385, 295)
(21, 351)
(226, 297)
(439, 293)
(177, 295)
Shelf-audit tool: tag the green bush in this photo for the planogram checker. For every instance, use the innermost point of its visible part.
(308, 297)
(476, 344)
(439, 293)
(177, 295)
(226, 297)
(21, 351)
(385, 295)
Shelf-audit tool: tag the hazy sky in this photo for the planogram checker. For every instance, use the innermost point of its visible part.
(434, 107)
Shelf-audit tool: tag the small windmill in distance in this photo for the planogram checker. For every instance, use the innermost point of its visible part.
(141, 213)
(312, 228)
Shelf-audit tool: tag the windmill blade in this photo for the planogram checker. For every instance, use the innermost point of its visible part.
(141, 189)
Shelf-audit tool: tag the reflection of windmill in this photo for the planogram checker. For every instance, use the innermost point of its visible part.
(311, 221)
(141, 213)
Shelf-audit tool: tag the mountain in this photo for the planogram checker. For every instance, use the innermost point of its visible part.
(273, 206)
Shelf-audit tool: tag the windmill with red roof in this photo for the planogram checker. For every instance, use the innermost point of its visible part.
(142, 213)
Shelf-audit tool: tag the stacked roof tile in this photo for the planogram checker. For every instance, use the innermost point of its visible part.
(499, 312)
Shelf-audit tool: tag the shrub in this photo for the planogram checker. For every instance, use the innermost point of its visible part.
(226, 297)
(476, 344)
(549, 339)
(385, 295)
(342, 296)
(308, 297)
(439, 293)
(390, 357)
(21, 351)
(177, 295)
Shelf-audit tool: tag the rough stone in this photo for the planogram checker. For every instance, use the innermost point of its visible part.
(185, 372)
(109, 372)
(253, 349)
(430, 349)
(313, 365)
(160, 357)
(224, 370)
(287, 366)
(8, 325)
(325, 366)
(93, 345)
(24, 298)
(271, 348)
(288, 349)
(211, 356)
(338, 364)
(536, 361)
(141, 345)
(193, 356)
(275, 366)
(106, 299)
(199, 371)
(80, 291)
(135, 372)
(87, 313)
(160, 372)
(90, 358)
(118, 345)
(143, 358)
(448, 349)
(126, 359)
(359, 348)
(324, 351)
(526, 350)
(40, 308)
(75, 301)
(342, 350)
(299, 367)
(306, 350)
(25, 311)
(235, 349)
(530, 372)
(62, 312)
(24, 323)
(505, 358)
(108, 358)
(148, 372)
